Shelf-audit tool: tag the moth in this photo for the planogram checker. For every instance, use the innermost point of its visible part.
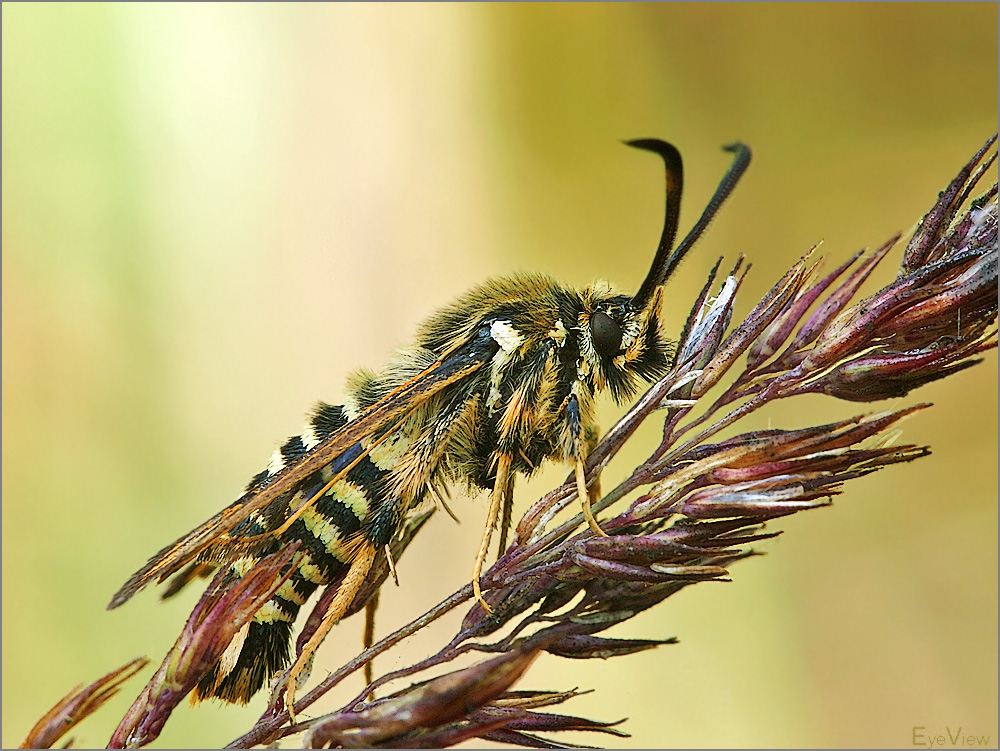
(495, 384)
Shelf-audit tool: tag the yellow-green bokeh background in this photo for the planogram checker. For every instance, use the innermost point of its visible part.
(211, 213)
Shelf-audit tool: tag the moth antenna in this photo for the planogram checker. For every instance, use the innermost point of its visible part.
(665, 261)
(741, 161)
(660, 269)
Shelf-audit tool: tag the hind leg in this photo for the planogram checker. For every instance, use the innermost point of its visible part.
(360, 566)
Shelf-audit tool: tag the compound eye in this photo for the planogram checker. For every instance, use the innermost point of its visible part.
(606, 334)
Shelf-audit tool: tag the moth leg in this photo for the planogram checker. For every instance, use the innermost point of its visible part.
(370, 608)
(581, 489)
(588, 496)
(369, 638)
(360, 565)
(501, 494)
(392, 565)
(505, 518)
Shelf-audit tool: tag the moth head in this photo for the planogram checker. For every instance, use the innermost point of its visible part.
(621, 342)
(621, 345)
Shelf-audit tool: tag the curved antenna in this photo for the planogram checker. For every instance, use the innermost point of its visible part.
(675, 186)
(665, 262)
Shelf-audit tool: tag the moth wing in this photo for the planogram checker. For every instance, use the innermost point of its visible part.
(460, 362)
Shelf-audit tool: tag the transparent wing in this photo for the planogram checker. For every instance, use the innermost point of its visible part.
(461, 362)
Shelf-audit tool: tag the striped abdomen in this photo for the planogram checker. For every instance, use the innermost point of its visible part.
(357, 504)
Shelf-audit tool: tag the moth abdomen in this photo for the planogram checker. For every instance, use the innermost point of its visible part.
(259, 651)
(332, 515)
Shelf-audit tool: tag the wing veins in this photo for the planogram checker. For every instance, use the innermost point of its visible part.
(461, 362)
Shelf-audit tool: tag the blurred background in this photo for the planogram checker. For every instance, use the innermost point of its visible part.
(213, 213)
